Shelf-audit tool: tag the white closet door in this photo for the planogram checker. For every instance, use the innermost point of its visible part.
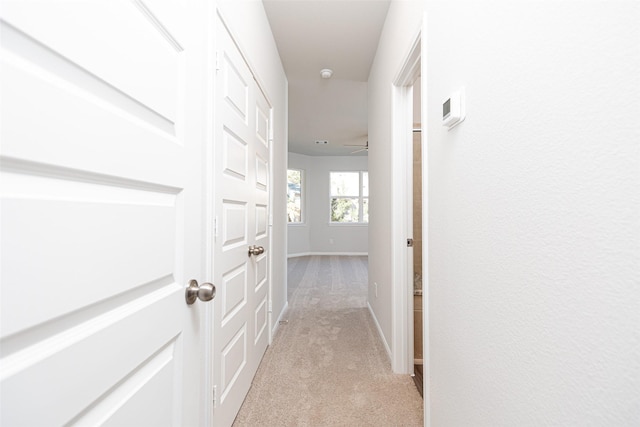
(241, 310)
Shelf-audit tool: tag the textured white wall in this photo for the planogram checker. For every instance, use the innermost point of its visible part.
(403, 22)
(249, 25)
(317, 231)
(534, 209)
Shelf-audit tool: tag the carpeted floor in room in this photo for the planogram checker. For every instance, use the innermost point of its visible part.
(327, 366)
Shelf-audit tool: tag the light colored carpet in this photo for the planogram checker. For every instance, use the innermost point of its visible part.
(327, 366)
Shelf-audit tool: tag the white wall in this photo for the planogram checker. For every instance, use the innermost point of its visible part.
(321, 237)
(402, 25)
(533, 209)
(249, 26)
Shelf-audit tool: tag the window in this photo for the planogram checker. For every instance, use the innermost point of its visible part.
(294, 196)
(349, 197)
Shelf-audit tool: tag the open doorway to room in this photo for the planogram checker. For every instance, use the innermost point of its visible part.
(416, 222)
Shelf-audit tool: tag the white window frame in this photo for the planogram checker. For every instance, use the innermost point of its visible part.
(361, 197)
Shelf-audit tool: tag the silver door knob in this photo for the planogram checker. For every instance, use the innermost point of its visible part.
(204, 292)
(255, 250)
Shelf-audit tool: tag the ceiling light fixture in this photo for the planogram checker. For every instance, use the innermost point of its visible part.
(326, 73)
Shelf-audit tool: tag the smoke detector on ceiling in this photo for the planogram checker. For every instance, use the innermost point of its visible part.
(326, 73)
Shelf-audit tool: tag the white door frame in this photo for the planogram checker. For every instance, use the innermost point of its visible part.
(209, 213)
(402, 166)
(402, 195)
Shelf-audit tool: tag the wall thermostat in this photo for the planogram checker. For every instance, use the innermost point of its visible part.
(453, 111)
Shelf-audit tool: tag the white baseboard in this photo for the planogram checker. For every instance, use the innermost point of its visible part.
(298, 254)
(328, 253)
(276, 324)
(384, 341)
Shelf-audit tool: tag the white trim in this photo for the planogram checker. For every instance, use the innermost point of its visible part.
(401, 165)
(375, 321)
(166, 34)
(401, 311)
(276, 324)
(341, 253)
(424, 114)
(209, 211)
(270, 187)
(299, 254)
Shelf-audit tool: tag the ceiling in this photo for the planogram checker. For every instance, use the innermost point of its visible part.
(338, 34)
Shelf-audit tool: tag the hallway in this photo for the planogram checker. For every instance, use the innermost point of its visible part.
(327, 365)
(128, 195)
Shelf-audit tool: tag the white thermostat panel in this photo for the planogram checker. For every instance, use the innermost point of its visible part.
(453, 111)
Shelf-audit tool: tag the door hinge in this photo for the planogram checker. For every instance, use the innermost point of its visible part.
(215, 395)
(217, 62)
(215, 227)
(409, 243)
(270, 306)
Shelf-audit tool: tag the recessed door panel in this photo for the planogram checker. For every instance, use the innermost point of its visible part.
(262, 173)
(92, 122)
(114, 41)
(236, 91)
(261, 271)
(153, 383)
(261, 221)
(234, 360)
(77, 224)
(260, 321)
(233, 291)
(56, 368)
(234, 223)
(262, 126)
(235, 155)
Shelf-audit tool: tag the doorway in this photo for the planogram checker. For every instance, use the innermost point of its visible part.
(410, 330)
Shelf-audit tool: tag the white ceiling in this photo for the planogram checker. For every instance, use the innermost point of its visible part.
(338, 34)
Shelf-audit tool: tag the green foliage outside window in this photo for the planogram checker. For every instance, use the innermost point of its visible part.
(344, 210)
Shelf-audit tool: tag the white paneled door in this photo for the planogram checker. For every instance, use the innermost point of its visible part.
(102, 130)
(241, 247)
